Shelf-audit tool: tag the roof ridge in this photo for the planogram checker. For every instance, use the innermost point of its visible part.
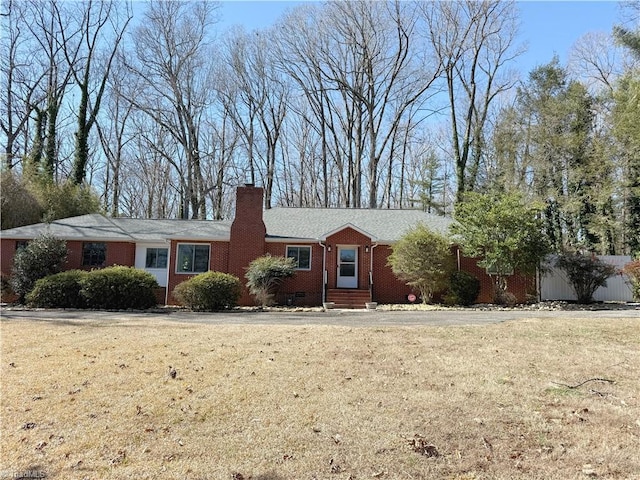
(356, 209)
(170, 219)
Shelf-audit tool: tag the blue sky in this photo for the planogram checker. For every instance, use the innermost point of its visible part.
(547, 27)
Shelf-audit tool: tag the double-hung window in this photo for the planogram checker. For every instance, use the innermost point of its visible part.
(302, 256)
(192, 258)
(94, 254)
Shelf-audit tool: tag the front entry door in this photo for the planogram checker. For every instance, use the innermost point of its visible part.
(347, 267)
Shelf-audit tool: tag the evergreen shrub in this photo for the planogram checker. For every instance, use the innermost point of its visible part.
(61, 290)
(464, 288)
(209, 291)
(119, 288)
(43, 256)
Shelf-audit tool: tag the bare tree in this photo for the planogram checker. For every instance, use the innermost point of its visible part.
(254, 94)
(43, 21)
(595, 58)
(115, 135)
(360, 68)
(19, 82)
(172, 48)
(474, 41)
(298, 40)
(89, 58)
(222, 147)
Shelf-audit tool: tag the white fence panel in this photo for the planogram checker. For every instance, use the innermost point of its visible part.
(555, 286)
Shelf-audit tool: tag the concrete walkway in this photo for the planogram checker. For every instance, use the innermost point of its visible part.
(348, 318)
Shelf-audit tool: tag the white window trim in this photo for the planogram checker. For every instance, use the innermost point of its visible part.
(286, 252)
(180, 272)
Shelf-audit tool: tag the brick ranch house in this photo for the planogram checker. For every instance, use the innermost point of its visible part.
(341, 253)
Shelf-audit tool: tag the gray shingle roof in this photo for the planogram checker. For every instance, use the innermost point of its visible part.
(160, 229)
(97, 227)
(94, 226)
(384, 226)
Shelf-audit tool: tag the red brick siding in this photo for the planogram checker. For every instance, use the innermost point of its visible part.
(161, 295)
(386, 286)
(349, 236)
(7, 251)
(521, 286)
(388, 289)
(247, 236)
(218, 262)
(307, 282)
(118, 253)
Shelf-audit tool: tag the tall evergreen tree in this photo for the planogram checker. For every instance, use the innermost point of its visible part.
(627, 132)
(547, 147)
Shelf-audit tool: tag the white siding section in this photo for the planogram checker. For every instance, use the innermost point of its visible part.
(555, 286)
(161, 274)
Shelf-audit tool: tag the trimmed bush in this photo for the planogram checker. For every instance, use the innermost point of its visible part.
(61, 290)
(119, 288)
(209, 291)
(464, 288)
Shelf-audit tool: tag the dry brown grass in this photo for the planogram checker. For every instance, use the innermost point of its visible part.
(95, 400)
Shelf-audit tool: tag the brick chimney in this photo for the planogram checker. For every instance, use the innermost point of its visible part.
(247, 237)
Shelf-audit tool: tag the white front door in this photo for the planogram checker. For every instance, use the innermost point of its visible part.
(347, 267)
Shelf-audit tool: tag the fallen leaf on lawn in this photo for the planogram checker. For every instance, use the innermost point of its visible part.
(119, 458)
(422, 446)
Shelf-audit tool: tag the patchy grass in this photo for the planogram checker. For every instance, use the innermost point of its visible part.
(97, 400)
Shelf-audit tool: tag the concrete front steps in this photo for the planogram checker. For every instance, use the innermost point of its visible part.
(348, 298)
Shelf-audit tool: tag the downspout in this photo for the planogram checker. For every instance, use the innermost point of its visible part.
(458, 256)
(373, 245)
(166, 290)
(324, 269)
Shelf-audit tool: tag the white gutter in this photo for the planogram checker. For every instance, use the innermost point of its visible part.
(373, 245)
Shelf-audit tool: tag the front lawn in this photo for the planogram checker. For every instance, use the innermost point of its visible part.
(122, 400)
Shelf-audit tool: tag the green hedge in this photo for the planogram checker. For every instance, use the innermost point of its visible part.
(119, 288)
(464, 288)
(209, 291)
(61, 290)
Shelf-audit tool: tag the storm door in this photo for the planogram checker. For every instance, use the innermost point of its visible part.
(347, 267)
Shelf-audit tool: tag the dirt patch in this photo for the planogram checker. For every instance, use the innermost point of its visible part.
(141, 400)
